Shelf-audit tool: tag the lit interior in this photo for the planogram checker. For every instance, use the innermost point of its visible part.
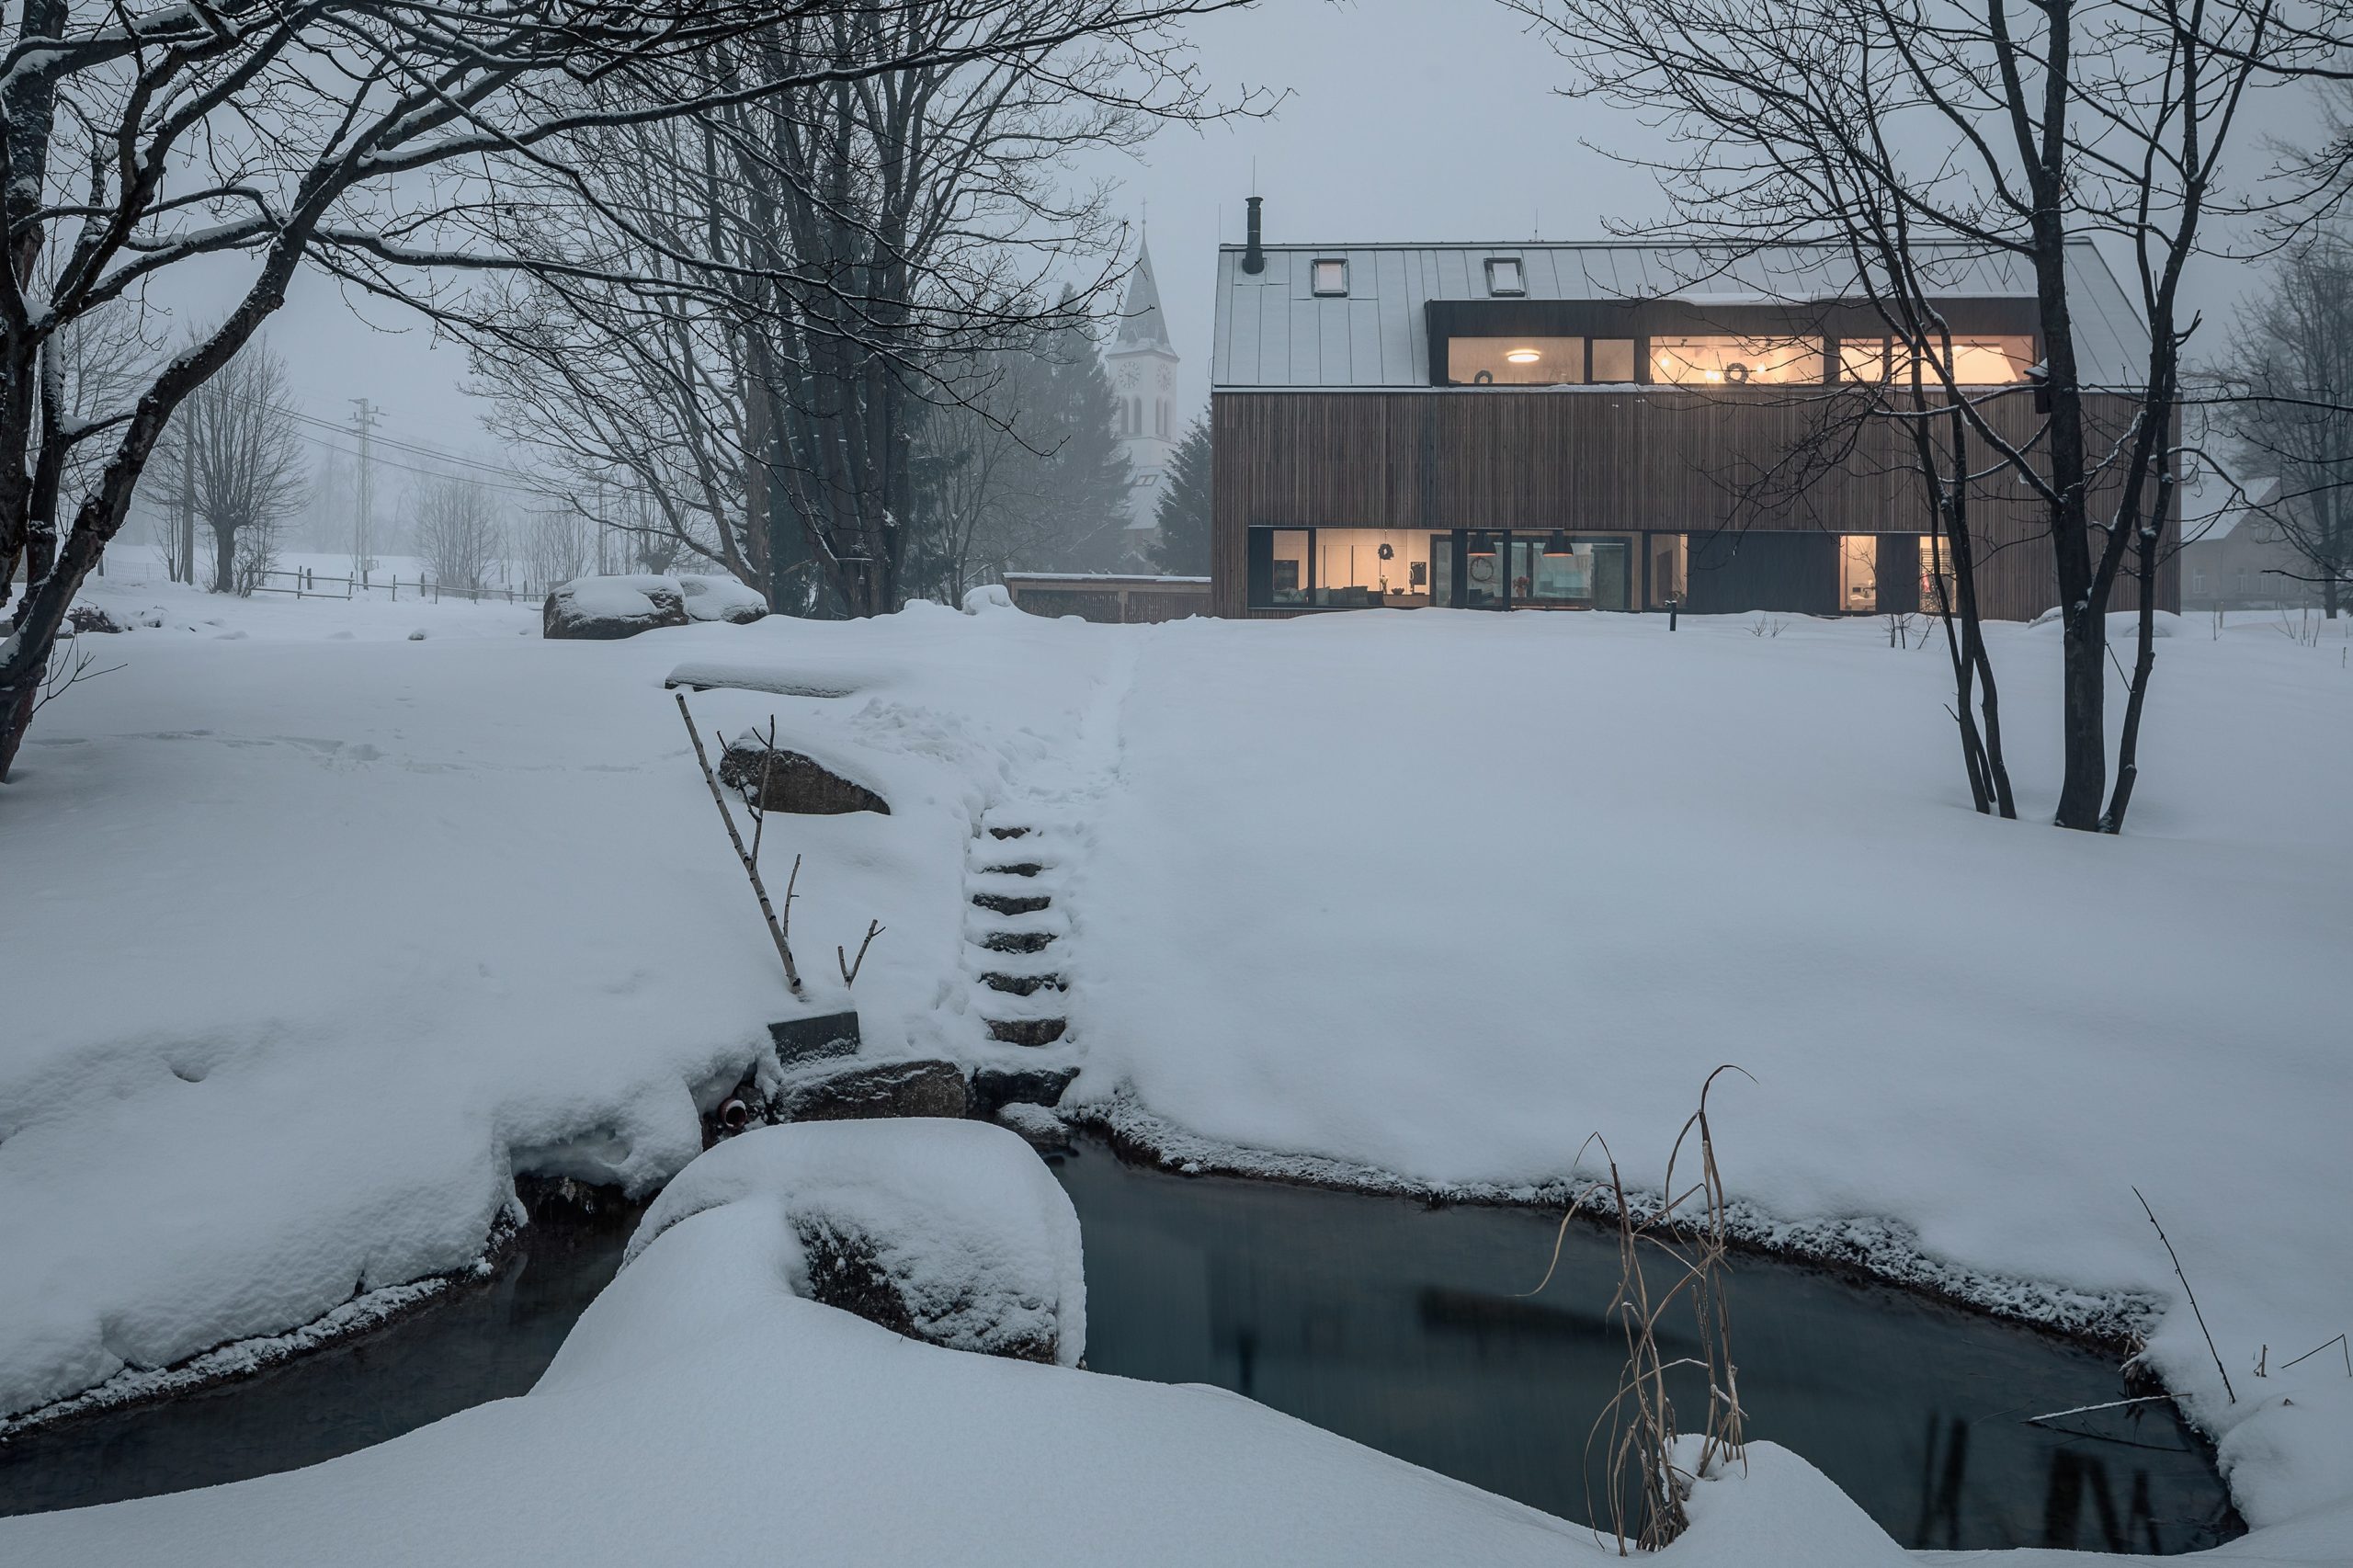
(1859, 572)
(1735, 361)
(1976, 361)
(1350, 569)
(1514, 361)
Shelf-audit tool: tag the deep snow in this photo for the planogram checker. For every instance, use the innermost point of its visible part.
(361, 924)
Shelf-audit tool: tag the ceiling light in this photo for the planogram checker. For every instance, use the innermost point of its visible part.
(1523, 356)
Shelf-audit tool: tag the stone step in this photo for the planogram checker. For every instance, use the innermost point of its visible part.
(1012, 904)
(1018, 868)
(1027, 1031)
(1020, 984)
(1009, 832)
(1015, 941)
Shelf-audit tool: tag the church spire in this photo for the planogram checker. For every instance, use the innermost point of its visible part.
(1141, 326)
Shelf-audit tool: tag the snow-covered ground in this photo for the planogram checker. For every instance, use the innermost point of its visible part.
(336, 930)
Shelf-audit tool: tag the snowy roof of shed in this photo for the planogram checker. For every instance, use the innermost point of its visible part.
(1274, 331)
(2214, 503)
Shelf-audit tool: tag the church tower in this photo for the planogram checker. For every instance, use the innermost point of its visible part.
(1142, 366)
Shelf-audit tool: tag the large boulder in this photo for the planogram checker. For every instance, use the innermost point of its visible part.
(722, 598)
(850, 1090)
(782, 780)
(607, 608)
(948, 1232)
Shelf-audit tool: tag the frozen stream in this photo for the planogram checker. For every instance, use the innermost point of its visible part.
(1376, 1318)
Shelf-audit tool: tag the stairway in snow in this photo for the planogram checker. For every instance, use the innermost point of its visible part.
(1013, 869)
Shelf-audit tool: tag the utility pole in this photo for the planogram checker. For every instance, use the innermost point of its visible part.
(363, 530)
(601, 568)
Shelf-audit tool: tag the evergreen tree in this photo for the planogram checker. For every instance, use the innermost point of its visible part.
(1085, 479)
(1183, 515)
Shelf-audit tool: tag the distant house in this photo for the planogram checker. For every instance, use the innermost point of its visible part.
(1563, 426)
(2234, 555)
(1109, 597)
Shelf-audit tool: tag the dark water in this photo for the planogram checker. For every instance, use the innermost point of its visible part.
(1401, 1327)
(1376, 1318)
(477, 1344)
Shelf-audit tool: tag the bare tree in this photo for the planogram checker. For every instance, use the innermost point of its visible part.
(841, 266)
(2289, 409)
(1893, 126)
(237, 439)
(556, 546)
(371, 137)
(458, 531)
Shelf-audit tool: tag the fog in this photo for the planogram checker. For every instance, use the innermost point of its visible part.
(1398, 120)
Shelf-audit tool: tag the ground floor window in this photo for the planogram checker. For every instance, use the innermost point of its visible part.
(1859, 572)
(1355, 568)
(1725, 572)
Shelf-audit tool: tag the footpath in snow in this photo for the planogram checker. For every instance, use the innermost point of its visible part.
(352, 927)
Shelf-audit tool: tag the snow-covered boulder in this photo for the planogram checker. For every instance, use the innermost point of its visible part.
(785, 781)
(986, 598)
(722, 598)
(849, 1090)
(606, 608)
(952, 1232)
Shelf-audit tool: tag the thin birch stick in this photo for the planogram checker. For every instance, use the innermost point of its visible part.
(751, 867)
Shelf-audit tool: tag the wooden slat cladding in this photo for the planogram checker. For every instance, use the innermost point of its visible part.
(1609, 459)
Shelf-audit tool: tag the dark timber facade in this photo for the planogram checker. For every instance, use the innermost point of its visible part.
(1400, 426)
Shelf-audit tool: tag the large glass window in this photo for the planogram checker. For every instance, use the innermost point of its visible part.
(1338, 568)
(1277, 561)
(1735, 361)
(1558, 571)
(1613, 360)
(1363, 568)
(1514, 361)
(1976, 361)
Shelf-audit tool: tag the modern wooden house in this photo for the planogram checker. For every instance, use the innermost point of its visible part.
(1590, 426)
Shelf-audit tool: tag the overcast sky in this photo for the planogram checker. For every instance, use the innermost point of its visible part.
(1433, 119)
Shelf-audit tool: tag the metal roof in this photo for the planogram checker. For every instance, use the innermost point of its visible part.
(1273, 331)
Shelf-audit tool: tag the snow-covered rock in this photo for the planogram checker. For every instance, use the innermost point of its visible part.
(785, 781)
(846, 1089)
(606, 609)
(721, 598)
(948, 1232)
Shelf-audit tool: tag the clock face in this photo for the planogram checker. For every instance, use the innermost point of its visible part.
(1167, 378)
(1127, 375)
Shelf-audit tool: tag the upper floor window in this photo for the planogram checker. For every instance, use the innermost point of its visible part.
(1514, 361)
(1329, 276)
(1976, 361)
(1735, 361)
(1504, 276)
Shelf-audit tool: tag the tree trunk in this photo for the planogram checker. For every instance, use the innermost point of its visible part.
(224, 559)
(2083, 728)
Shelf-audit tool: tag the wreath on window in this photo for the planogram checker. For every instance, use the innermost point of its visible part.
(1483, 568)
(1736, 372)
(1484, 378)
(1387, 551)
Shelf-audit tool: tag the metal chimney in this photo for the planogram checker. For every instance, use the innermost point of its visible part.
(1254, 259)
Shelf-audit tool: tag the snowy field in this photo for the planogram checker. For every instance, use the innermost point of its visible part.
(333, 929)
